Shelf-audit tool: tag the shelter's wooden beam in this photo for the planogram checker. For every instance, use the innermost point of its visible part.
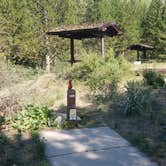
(72, 58)
(102, 46)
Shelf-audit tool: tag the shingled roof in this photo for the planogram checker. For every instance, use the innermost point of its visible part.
(87, 31)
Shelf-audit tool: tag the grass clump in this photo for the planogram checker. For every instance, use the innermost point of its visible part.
(34, 118)
(38, 148)
(137, 98)
(153, 79)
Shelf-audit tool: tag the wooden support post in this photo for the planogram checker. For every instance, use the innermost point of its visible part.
(144, 54)
(138, 58)
(72, 58)
(102, 46)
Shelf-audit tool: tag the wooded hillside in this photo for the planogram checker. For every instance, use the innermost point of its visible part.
(24, 23)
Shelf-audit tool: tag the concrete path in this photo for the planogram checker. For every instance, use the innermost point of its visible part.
(91, 147)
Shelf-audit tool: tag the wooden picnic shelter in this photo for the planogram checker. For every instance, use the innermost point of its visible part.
(86, 31)
(140, 47)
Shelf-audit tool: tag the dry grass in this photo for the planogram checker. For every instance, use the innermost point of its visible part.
(158, 67)
(44, 90)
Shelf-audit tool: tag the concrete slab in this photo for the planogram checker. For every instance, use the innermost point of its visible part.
(80, 140)
(125, 156)
(90, 146)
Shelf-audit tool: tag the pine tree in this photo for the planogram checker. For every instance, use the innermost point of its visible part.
(162, 31)
(20, 31)
(153, 25)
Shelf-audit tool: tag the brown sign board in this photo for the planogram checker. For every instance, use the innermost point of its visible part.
(71, 104)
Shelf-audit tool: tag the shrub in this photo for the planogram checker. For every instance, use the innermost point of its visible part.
(105, 78)
(2, 120)
(153, 79)
(34, 118)
(100, 74)
(83, 70)
(137, 98)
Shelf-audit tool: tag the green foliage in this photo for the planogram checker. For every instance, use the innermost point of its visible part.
(100, 74)
(141, 141)
(68, 125)
(83, 70)
(34, 118)
(153, 79)
(145, 145)
(38, 149)
(3, 139)
(20, 31)
(137, 99)
(153, 26)
(2, 120)
(23, 26)
(127, 14)
(38, 145)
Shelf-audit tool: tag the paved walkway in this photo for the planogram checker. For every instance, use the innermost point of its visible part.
(91, 147)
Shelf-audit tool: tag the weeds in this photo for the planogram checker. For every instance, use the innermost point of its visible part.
(38, 145)
(137, 99)
(153, 79)
(34, 118)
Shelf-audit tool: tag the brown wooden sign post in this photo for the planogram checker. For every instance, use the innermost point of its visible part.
(71, 103)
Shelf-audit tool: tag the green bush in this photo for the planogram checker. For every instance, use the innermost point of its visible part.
(2, 120)
(34, 118)
(153, 79)
(82, 71)
(137, 98)
(100, 74)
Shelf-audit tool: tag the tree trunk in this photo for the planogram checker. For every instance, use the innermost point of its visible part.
(46, 40)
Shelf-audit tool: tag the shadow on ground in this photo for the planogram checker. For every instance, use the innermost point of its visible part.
(20, 149)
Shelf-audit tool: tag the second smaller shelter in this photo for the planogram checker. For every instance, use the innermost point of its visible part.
(140, 47)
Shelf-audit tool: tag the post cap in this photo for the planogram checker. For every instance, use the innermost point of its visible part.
(70, 84)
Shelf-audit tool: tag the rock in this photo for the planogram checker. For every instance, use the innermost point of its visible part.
(78, 118)
(63, 115)
(59, 121)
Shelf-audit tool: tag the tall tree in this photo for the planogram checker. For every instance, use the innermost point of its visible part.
(19, 28)
(153, 24)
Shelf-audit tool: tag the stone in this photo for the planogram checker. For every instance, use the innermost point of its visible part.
(59, 121)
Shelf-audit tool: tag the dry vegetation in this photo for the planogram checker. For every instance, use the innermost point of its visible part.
(20, 88)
